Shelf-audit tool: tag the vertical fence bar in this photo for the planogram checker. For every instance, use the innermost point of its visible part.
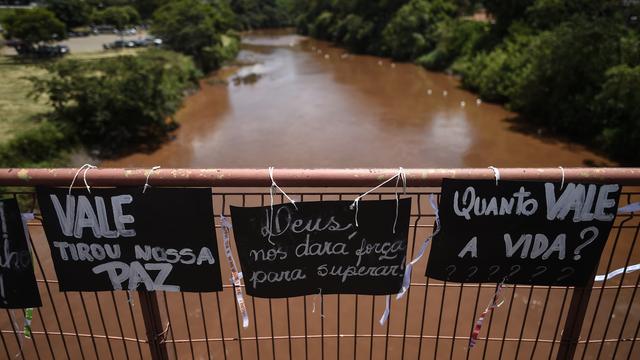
(186, 319)
(224, 346)
(575, 318)
(124, 343)
(153, 324)
(555, 332)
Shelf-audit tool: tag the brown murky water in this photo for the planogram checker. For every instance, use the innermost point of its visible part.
(304, 103)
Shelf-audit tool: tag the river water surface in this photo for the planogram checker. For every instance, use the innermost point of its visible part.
(305, 103)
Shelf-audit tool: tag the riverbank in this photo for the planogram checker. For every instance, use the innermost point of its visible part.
(19, 111)
(105, 103)
(24, 124)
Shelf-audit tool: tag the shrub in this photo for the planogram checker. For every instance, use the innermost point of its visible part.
(456, 38)
(320, 27)
(45, 145)
(194, 28)
(565, 71)
(412, 30)
(114, 105)
(118, 16)
(618, 110)
(495, 74)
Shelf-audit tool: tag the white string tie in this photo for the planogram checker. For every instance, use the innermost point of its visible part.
(400, 175)
(406, 281)
(85, 167)
(271, 188)
(496, 173)
(624, 270)
(319, 294)
(236, 276)
(562, 182)
(146, 183)
(630, 208)
(387, 310)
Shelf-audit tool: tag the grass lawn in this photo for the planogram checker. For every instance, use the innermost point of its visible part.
(18, 111)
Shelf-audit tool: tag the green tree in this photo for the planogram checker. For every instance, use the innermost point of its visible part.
(256, 14)
(195, 28)
(506, 12)
(115, 105)
(119, 17)
(618, 111)
(71, 12)
(34, 26)
(564, 72)
(412, 30)
(147, 7)
(457, 38)
(45, 145)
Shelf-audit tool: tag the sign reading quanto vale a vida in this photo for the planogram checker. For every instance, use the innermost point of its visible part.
(521, 232)
(318, 247)
(121, 238)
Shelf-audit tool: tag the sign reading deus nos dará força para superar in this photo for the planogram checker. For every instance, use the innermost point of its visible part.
(121, 238)
(320, 247)
(537, 233)
(18, 287)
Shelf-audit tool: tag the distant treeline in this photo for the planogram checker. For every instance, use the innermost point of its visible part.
(572, 66)
(246, 14)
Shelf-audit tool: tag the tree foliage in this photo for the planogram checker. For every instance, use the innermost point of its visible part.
(114, 104)
(71, 12)
(617, 108)
(260, 14)
(33, 26)
(195, 28)
(119, 17)
(412, 30)
(42, 146)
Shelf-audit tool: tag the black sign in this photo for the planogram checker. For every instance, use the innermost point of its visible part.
(522, 232)
(18, 287)
(319, 246)
(121, 238)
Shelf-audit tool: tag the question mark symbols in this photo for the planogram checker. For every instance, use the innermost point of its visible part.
(472, 271)
(450, 270)
(594, 234)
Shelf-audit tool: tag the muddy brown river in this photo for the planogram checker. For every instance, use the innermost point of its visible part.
(305, 103)
(298, 102)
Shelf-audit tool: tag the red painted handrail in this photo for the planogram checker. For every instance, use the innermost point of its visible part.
(304, 177)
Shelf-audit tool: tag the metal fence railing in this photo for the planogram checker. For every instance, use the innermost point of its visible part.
(434, 321)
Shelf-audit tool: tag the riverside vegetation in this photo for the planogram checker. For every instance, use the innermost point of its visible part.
(570, 66)
(109, 105)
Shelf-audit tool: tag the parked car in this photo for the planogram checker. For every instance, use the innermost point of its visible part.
(129, 32)
(149, 41)
(78, 33)
(103, 29)
(119, 44)
(40, 51)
